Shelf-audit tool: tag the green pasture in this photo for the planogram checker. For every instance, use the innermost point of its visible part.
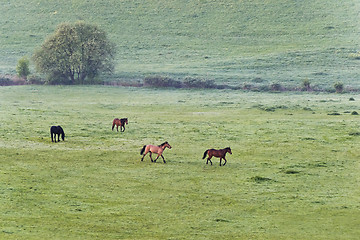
(294, 172)
(232, 42)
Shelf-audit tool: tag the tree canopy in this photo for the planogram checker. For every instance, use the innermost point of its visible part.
(75, 54)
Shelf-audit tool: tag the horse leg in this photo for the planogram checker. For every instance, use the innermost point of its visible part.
(157, 157)
(163, 158)
(151, 157)
(142, 159)
(208, 159)
(123, 128)
(117, 128)
(225, 161)
(220, 161)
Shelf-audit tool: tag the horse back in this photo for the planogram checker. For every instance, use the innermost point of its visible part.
(56, 130)
(155, 149)
(216, 153)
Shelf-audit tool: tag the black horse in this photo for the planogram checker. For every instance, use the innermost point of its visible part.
(57, 130)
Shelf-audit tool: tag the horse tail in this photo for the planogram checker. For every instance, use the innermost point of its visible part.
(142, 150)
(113, 125)
(205, 153)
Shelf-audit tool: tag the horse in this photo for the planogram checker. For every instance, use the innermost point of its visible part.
(121, 123)
(154, 149)
(57, 130)
(217, 153)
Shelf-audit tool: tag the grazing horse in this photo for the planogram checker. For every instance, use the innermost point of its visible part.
(154, 149)
(57, 130)
(121, 123)
(217, 153)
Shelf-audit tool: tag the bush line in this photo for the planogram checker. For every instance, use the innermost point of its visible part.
(159, 81)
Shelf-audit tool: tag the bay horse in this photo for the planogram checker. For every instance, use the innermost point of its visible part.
(119, 122)
(154, 149)
(57, 130)
(217, 153)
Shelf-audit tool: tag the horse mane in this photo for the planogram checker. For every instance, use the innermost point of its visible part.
(163, 144)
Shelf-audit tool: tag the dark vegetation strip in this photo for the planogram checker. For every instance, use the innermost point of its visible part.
(188, 82)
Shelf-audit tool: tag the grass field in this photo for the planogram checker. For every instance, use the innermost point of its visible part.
(294, 172)
(232, 42)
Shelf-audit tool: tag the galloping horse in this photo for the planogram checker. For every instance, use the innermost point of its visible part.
(121, 123)
(57, 130)
(217, 153)
(154, 149)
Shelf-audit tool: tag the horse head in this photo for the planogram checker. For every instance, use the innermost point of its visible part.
(228, 149)
(166, 144)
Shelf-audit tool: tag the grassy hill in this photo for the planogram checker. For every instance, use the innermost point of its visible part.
(233, 42)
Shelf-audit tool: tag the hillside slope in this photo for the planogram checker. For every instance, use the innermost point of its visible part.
(230, 41)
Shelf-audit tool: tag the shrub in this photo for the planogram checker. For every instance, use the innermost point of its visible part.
(306, 85)
(248, 86)
(4, 81)
(263, 88)
(276, 87)
(8, 80)
(34, 79)
(22, 68)
(354, 134)
(161, 81)
(190, 82)
(339, 87)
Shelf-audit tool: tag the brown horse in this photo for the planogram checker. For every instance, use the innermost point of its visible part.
(154, 149)
(121, 123)
(217, 153)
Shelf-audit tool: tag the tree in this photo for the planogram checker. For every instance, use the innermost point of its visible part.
(306, 85)
(22, 68)
(75, 53)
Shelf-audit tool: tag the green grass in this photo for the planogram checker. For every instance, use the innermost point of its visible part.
(232, 42)
(293, 174)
